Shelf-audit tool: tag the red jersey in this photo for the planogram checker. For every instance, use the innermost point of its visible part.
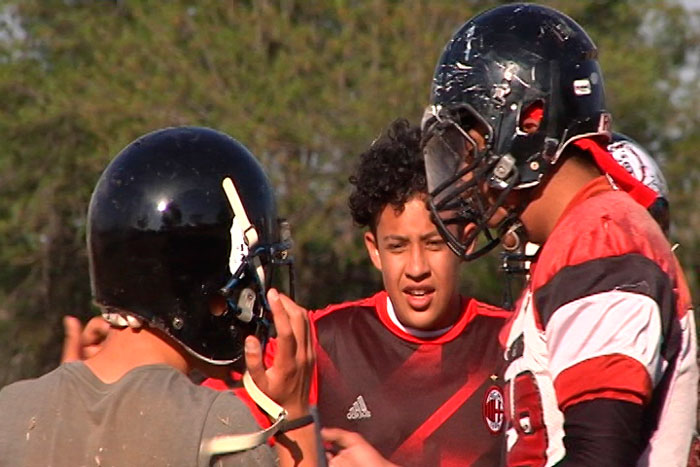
(419, 402)
(606, 314)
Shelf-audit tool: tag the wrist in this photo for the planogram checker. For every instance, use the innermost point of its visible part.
(296, 410)
(291, 424)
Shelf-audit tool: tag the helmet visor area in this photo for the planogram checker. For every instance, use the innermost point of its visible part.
(450, 149)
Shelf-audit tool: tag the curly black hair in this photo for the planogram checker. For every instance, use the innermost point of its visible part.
(391, 171)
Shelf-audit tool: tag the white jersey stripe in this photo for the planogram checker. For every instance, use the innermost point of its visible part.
(607, 323)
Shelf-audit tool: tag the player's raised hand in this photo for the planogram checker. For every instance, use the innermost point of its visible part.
(288, 380)
(350, 449)
(81, 343)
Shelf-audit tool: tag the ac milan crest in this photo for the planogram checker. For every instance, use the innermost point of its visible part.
(493, 409)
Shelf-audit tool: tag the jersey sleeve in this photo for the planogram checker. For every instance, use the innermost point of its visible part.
(605, 346)
(605, 320)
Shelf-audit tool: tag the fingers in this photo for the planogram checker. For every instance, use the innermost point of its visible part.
(95, 331)
(290, 305)
(286, 342)
(288, 379)
(299, 318)
(71, 341)
(254, 361)
(79, 343)
(342, 439)
(93, 336)
(351, 449)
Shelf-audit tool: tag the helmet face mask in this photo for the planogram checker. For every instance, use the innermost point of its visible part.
(457, 169)
(181, 220)
(500, 67)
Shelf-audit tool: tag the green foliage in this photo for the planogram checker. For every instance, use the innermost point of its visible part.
(306, 85)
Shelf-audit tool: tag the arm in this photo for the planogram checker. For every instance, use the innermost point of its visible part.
(602, 429)
(287, 381)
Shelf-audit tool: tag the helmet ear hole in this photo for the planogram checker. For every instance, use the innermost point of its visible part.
(531, 117)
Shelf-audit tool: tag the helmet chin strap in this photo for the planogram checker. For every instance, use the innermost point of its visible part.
(228, 444)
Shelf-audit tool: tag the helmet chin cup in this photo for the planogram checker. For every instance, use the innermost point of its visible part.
(244, 297)
(246, 302)
(504, 169)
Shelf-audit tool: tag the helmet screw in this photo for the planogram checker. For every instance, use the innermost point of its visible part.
(534, 165)
(178, 323)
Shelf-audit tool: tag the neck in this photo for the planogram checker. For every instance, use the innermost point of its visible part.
(127, 348)
(554, 195)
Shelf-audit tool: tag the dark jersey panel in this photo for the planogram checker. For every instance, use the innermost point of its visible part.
(419, 403)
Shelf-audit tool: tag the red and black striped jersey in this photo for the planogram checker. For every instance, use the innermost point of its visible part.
(421, 402)
(606, 315)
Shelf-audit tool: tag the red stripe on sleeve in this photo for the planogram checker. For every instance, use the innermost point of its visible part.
(609, 376)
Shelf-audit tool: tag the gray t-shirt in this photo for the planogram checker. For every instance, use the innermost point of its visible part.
(152, 416)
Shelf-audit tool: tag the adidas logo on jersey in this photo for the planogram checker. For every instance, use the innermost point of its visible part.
(358, 410)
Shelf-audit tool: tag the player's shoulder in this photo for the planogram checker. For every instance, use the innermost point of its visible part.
(594, 215)
(484, 319)
(605, 226)
(334, 310)
(488, 310)
(48, 383)
(480, 326)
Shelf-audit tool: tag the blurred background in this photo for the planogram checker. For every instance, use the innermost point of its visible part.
(306, 86)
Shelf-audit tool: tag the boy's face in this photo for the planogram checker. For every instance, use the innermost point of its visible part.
(418, 269)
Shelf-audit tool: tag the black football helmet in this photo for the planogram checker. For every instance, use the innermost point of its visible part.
(498, 68)
(180, 217)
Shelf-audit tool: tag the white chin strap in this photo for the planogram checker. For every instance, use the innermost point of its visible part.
(228, 444)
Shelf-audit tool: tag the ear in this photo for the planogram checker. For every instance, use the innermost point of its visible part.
(217, 305)
(468, 229)
(373, 249)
